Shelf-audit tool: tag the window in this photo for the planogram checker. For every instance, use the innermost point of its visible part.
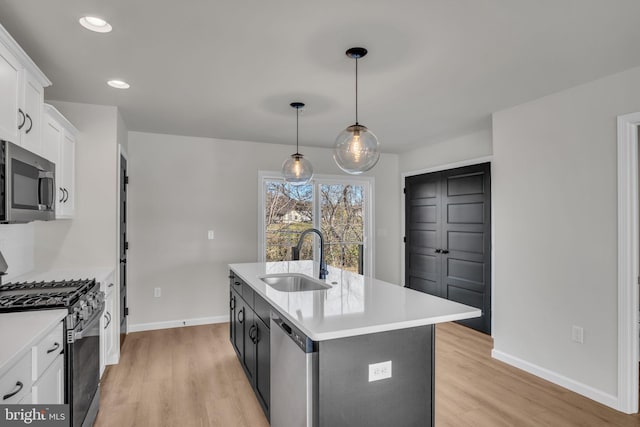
(339, 206)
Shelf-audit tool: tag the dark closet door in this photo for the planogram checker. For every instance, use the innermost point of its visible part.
(457, 266)
(423, 233)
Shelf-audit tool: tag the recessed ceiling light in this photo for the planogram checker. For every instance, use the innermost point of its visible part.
(118, 84)
(96, 24)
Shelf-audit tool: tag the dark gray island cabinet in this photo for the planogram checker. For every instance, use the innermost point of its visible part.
(372, 345)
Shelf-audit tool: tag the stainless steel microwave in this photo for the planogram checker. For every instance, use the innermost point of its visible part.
(27, 185)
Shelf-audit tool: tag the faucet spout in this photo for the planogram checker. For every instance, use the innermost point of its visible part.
(323, 265)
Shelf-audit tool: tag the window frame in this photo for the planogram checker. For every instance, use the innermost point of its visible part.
(367, 182)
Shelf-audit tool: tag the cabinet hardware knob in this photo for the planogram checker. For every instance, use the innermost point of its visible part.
(239, 313)
(19, 385)
(54, 348)
(24, 119)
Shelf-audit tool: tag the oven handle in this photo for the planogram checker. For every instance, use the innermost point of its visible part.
(96, 317)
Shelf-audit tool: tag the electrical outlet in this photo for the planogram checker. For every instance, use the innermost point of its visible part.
(577, 334)
(157, 292)
(379, 371)
(210, 235)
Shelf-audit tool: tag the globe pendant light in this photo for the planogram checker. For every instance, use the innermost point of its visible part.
(356, 149)
(297, 170)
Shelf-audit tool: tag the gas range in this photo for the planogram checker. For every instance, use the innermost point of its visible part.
(84, 302)
(38, 295)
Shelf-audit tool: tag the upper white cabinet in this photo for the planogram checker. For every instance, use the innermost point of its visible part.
(59, 146)
(21, 95)
(32, 100)
(10, 119)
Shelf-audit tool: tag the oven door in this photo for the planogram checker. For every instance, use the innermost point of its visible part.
(30, 187)
(83, 369)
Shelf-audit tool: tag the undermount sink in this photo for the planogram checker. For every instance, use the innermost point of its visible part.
(293, 282)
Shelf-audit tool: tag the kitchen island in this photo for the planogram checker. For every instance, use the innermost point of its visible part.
(370, 345)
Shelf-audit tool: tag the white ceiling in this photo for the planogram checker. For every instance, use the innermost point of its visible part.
(229, 69)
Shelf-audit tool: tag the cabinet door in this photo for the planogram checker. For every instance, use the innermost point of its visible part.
(51, 140)
(10, 119)
(68, 165)
(263, 364)
(33, 100)
(49, 389)
(249, 356)
(237, 325)
(232, 317)
(107, 330)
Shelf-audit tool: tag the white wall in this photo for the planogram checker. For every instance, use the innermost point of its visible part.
(555, 219)
(17, 247)
(465, 147)
(180, 187)
(88, 240)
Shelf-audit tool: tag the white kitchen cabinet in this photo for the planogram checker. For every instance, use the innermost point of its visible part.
(49, 388)
(36, 373)
(21, 95)
(109, 325)
(16, 383)
(59, 146)
(32, 102)
(10, 120)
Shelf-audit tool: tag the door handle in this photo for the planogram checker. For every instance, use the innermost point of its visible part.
(252, 334)
(24, 119)
(30, 123)
(61, 198)
(66, 195)
(54, 348)
(444, 251)
(239, 313)
(19, 387)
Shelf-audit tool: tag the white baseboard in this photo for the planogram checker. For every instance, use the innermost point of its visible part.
(561, 380)
(139, 327)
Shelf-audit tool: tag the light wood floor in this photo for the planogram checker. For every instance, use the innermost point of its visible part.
(191, 377)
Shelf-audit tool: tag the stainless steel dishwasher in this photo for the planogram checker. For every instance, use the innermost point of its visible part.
(294, 376)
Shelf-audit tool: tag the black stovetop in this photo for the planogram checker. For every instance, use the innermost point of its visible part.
(41, 295)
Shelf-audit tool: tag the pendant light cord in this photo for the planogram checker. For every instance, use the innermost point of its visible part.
(356, 90)
(297, 131)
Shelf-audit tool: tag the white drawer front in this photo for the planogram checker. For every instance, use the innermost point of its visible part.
(16, 383)
(46, 351)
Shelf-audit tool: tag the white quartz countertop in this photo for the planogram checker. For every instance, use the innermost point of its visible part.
(99, 273)
(355, 305)
(19, 331)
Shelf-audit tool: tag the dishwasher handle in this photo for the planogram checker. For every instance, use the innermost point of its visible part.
(305, 343)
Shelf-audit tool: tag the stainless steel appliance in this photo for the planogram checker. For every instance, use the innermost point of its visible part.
(85, 304)
(27, 185)
(294, 376)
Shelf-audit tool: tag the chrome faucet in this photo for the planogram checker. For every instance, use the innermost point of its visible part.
(296, 250)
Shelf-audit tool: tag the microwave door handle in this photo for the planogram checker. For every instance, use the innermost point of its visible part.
(49, 177)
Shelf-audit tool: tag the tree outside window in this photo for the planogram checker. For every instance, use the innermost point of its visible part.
(339, 211)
